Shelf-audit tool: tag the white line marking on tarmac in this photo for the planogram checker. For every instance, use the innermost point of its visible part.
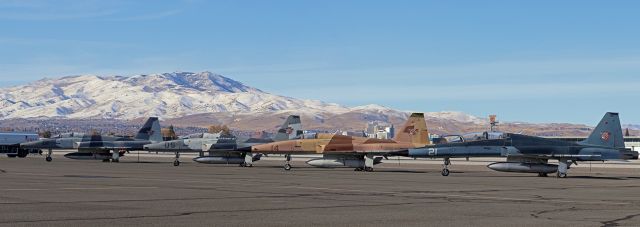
(528, 200)
(467, 196)
(47, 189)
(225, 183)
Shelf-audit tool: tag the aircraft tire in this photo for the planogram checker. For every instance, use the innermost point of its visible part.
(445, 172)
(23, 153)
(287, 167)
(176, 163)
(48, 159)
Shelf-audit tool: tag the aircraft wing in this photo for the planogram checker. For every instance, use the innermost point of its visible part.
(559, 156)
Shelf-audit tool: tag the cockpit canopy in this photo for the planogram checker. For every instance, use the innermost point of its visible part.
(475, 136)
(211, 136)
(69, 135)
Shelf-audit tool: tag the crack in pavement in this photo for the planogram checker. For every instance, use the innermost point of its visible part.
(540, 213)
(212, 212)
(615, 222)
(157, 200)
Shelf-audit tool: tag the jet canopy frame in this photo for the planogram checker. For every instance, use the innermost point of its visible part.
(475, 136)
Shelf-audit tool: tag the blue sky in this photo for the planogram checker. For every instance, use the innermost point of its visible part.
(536, 61)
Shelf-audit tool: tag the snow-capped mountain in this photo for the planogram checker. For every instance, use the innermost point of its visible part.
(200, 99)
(167, 95)
(173, 95)
(456, 116)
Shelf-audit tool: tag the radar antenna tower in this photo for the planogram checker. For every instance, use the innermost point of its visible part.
(493, 122)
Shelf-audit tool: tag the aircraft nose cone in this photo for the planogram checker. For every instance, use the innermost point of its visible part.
(404, 153)
(246, 149)
(155, 146)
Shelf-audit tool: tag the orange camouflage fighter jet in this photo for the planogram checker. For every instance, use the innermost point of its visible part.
(347, 151)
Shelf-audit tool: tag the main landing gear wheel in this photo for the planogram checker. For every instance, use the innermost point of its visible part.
(358, 169)
(368, 169)
(542, 175)
(287, 165)
(562, 175)
(49, 153)
(176, 162)
(244, 164)
(445, 170)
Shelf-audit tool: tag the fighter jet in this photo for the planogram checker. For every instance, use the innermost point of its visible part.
(347, 151)
(98, 147)
(530, 154)
(223, 149)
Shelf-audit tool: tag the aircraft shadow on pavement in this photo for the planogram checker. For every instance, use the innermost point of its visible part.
(399, 171)
(89, 176)
(144, 162)
(316, 169)
(554, 177)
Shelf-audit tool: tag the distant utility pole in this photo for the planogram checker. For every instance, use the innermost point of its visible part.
(627, 132)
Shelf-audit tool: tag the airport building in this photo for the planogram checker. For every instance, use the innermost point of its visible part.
(379, 130)
(10, 143)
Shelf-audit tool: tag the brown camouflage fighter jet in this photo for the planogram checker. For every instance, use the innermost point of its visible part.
(347, 151)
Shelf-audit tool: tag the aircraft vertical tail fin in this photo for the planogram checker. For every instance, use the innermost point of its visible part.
(151, 130)
(414, 131)
(607, 133)
(291, 129)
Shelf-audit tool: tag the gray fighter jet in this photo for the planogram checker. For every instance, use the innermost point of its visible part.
(224, 149)
(99, 147)
(530, 154)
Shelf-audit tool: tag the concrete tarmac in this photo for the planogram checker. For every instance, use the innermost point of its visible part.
(154, 193)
